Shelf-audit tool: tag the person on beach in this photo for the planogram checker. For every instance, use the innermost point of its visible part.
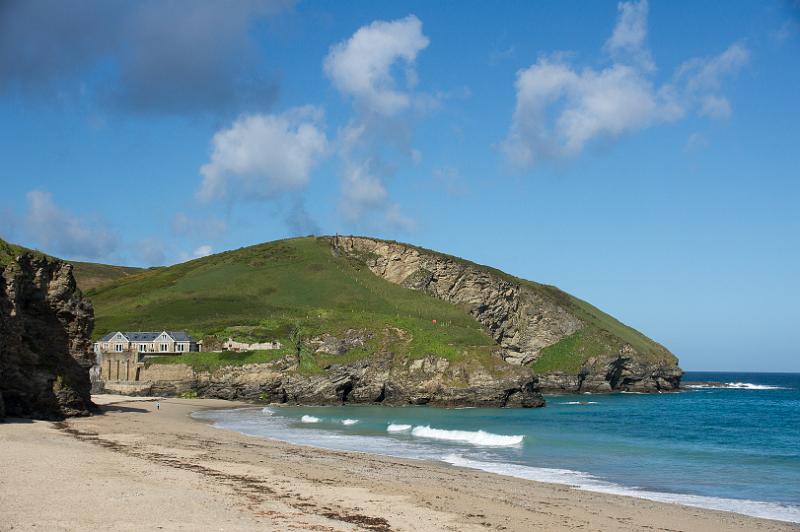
(158, 405)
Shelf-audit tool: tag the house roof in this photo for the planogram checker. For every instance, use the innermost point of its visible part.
(148, 336)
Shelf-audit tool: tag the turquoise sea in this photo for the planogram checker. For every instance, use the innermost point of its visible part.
(734, 449)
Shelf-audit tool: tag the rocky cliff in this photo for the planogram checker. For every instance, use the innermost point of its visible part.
(573, 346)
(384, 377)
(45, 346)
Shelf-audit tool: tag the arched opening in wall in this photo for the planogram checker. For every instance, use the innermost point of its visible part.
(138, 373)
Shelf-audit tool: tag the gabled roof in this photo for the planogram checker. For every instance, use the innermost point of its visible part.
(180, 336)
(148, 336)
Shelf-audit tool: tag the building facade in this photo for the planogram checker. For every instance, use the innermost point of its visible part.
(121, 355)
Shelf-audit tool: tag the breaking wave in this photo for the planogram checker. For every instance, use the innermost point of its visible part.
(309, 419)
(349, 421)
(751, 386)
(395, 427)
(579, 403)
(267, 411)
(478, 437)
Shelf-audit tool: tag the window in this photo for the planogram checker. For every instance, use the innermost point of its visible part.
(143, 348)
(164, 347)
(180, 348)
(118, 348)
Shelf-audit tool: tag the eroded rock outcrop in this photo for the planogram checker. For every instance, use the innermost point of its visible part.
(383, 378)
(45, 345)
(524, 318)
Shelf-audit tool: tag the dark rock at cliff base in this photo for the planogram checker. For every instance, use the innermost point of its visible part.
(383, 378)
(613, 374)
(45, 341)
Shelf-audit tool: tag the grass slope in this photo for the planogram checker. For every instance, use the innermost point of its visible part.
(267, 291)
(9, 251)
(89, 275)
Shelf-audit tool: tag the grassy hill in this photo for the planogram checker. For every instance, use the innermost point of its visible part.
(90, 275)
(295, 289)
(282, 288)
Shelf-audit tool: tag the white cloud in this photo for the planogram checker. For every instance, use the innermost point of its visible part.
(702, 74)
(62, 233)
(263, 155)
(715, 107)
(377, 139)
(627, 40)
(361, 66)
(561, 108)
(202, 251)
(362, 191)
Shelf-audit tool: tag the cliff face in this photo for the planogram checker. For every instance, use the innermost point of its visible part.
(524, 318)
(382, 378)
(45, 345)
(385, 376)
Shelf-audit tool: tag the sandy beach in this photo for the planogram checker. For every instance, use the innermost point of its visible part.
(137, 468)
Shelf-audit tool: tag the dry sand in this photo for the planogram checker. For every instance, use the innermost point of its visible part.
(135, 468)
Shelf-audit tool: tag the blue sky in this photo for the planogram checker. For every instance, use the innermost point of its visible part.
(643, 157)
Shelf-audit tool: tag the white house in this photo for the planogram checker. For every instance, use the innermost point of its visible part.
(147, 342)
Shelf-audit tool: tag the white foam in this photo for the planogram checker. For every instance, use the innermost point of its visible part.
(267, 411)
(750, 386)
(579, 403)
(735, 385)
(396, 427)
(349, 421)
(585, 481)
(478, 437)
(309, 419)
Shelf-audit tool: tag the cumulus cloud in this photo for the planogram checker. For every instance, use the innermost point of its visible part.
(361, 66)
(62, 233)
(366, 68)
(263, 155)
(561, 108)
(167, 57)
